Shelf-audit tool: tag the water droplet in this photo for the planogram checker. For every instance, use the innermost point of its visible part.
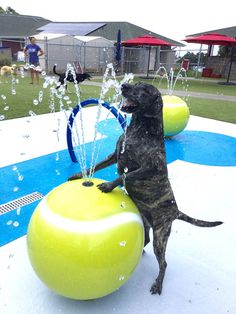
(66, 97)
(126, 170)
(14, 168)
(35, 102)
(122, 204)
(13, 91)
(22, 72)
(20, 177)
(15, 189)
(40, 96)
(6, 108)
(9, 222)
(122, 277)
(123, 243)
(3, 97)
(2, 117)
(26, 136)
(43, 73)
(16, 224)
(18, 211)
(31, 113)
(57, 172)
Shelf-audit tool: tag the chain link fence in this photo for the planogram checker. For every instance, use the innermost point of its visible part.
(94, 59)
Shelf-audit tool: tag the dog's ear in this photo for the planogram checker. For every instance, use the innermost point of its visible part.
(155, 116)
(154, 110)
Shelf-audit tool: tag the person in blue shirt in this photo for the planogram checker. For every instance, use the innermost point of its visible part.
(33, 51)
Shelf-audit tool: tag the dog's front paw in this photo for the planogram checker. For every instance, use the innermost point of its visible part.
(76, 176)
(105, 187)
(156, 288)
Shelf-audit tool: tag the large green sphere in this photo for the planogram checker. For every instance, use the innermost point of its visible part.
(82, 243)
(175, 115)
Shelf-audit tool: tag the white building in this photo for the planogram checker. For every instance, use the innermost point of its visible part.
(92, 52)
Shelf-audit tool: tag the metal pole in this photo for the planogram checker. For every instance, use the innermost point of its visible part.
(198, 61)
(46, 53)
(230, 64)
(149, 54)
(122, 59)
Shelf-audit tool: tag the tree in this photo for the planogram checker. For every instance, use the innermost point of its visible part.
(193, 58)
(8, 10)
(2, 11)
(226, 51)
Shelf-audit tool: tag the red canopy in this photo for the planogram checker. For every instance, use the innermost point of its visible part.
(212, 39)
(215, 39)
(146, 40)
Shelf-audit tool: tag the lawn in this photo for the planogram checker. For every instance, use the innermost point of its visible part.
(26, 100)
(213, 109)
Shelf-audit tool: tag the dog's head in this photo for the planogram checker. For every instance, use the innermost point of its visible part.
(83, 76)
(142, 98)
(87, 76)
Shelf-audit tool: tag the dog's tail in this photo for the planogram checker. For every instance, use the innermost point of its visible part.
(54, 70)
(197, 222)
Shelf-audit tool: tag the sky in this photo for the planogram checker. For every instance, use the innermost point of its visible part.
(172, 19)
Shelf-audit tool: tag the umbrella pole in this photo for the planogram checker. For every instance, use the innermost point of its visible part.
(149, 54)
(230, 64)
(198, 61)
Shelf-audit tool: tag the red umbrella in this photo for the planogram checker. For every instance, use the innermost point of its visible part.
(212, 39)
(146, 40)
(215, 39)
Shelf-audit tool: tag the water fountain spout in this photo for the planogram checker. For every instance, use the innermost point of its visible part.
(171, 77)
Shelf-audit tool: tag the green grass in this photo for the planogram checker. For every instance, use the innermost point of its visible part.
(201, 85)
(213, 109)
(196, 85)
(22, 103)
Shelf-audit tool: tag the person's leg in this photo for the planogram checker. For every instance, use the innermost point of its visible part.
(32, 76)
(37, 76)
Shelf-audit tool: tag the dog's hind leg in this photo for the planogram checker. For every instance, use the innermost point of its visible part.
(160, 238)
(146, 233)
(147, 222)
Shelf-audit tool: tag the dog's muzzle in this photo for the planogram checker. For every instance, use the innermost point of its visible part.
(128, 106)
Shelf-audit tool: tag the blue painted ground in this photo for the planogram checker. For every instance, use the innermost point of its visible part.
(46, 172)
(204, 148)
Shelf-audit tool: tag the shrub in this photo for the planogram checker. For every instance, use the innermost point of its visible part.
(5, 61)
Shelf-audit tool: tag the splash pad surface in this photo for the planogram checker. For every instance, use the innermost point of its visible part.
(201, 262)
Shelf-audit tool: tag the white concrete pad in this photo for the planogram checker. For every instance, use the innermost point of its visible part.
(201, 272)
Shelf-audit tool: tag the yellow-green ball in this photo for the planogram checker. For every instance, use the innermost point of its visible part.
(175, 115)
(82, 243)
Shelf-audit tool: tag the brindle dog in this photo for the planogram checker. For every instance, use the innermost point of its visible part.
(147, 180)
